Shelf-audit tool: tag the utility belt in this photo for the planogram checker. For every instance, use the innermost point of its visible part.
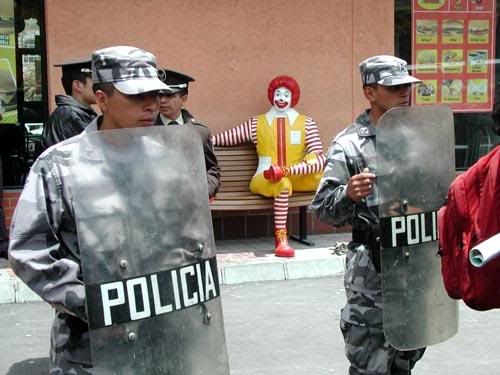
(371, 238)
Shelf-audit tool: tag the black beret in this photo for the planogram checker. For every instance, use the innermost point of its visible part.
(175, 80)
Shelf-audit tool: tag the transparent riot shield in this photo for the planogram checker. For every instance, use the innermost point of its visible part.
(415, 166)
(148, 253)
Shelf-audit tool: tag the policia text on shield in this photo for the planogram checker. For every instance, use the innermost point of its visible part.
(399, 231)
(159, 293)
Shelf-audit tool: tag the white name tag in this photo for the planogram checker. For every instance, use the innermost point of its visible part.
(295, 137)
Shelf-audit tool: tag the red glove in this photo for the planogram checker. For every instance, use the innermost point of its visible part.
(275, 173)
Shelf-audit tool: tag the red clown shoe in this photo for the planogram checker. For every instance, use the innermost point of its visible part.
(282, 248)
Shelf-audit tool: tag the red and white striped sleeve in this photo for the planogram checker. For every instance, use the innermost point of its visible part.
(246, 132)
(313, 142)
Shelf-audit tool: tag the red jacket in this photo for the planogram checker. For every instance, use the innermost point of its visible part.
(471, 216)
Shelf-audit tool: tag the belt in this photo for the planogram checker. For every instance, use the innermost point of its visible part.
(371, 238)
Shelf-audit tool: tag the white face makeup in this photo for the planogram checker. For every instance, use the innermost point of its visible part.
(282, 99)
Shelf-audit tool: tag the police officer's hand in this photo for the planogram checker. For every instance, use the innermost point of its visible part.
(360, 185)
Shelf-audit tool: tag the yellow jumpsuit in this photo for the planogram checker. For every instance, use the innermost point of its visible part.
(284, 145)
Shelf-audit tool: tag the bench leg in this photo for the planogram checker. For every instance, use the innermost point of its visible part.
(302, 238)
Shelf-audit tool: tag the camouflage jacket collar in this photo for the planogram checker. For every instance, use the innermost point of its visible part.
(364, 125)
(94, 125)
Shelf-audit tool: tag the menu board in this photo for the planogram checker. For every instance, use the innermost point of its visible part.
(453, 53)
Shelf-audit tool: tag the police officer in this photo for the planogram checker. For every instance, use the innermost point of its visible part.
(44, 249)
(172, 112)
(74, 111)
(345, 196)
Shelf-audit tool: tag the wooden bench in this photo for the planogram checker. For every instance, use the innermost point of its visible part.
(238, 164)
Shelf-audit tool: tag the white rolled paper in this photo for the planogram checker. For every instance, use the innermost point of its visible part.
(485, 251)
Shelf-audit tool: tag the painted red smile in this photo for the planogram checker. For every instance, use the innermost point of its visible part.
(280, 104)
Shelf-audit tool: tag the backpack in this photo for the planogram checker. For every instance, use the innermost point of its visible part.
(471, 215)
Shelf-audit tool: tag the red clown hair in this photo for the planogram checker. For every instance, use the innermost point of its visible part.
(284, 81)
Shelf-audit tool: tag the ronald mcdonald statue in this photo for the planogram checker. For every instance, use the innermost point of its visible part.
(289, 150)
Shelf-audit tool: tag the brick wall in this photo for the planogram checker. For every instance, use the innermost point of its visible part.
(9, 202)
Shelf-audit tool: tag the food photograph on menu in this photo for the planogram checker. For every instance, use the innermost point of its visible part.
(453, 31)
(426, 31)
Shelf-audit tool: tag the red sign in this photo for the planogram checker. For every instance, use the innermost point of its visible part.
(453, 53)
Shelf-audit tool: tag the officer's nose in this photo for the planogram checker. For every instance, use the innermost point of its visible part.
(151, 101)
(405, 92)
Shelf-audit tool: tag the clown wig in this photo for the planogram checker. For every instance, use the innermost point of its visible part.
(284, 81)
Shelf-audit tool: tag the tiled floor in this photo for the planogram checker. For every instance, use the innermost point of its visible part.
(262, 246)
(261, 250)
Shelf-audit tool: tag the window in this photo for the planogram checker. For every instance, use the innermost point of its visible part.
(23, 86)
(453, 47)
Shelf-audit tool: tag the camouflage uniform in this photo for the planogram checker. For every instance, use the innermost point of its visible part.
(361, 319)
(44, 253)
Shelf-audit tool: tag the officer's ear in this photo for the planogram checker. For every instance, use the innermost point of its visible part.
(77, 86)
(184, 98)
(370, 92)
(102, 100)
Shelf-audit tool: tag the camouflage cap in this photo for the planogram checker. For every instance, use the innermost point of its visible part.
(131, 70)
(385, 70)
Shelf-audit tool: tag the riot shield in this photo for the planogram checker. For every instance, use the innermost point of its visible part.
(148, 253)
(415, 166)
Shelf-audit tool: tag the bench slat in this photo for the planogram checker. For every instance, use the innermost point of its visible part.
(255, 203)
(237, 156)
(225, 179)
(230, 189)
(240, 163)
(231, 185)
(249, 153)
(245, 174)
(238, 148)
